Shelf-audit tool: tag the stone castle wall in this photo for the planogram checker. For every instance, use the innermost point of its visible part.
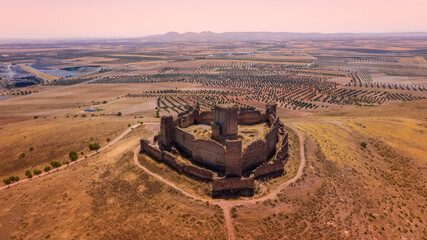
(152, 150)
(243, 117)
(198, 172)
(209, 153)
(170, 159)
(283, 152)
(188, 118)
(254, 155)
(233, 186)
(272, 137)
(251, 117)
(206, 117)
(184, 140)
(269, 169)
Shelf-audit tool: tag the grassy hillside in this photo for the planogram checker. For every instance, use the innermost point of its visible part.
(105, 197)
(349, 191)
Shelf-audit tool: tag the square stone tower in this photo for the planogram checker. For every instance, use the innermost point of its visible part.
(271, 108)
(166, 131)
(233, 158)
(226, 119)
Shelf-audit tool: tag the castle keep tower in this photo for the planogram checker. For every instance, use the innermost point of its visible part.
(226, 120)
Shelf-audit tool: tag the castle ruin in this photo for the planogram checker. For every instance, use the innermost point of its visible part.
(229, 146)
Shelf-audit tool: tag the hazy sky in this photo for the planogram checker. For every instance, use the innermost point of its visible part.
(133, 18)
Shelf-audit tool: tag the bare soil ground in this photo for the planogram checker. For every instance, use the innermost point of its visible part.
(51, 139)
(345, 191)
(106, 190)
(348, 191)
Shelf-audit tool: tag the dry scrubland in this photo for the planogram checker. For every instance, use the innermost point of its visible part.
(105, 197)
(339, 95)
(348, 191)
(46, 126)
(45, 140)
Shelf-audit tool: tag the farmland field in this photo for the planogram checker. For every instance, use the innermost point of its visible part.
(359, 104)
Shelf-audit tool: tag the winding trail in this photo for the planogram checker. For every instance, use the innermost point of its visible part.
(226, 205)
(74, 162)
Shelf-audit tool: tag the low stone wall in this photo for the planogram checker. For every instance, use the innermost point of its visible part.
(223, 187)
(170, 159)
(269, 169)
(151, 150)
(198, 172)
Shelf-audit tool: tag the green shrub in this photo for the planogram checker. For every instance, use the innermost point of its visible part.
(22, 155)
(28, 174)
(363, 144)
(31, 148)
(37, 172)
(47, 168)
(73, 156)
(108, 139)
(94, 146)
(14, 178)
(35, 117)
(7, 181)
(55, 164)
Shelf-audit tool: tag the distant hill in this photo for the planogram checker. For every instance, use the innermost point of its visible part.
(208, 36)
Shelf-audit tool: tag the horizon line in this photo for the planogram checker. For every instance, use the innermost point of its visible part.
(160, 34)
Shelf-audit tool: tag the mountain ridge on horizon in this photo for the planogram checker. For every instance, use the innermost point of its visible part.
(173, 36)
(209, 36)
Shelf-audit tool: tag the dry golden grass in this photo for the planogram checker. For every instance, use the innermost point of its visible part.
(62, 125)
(52, 140)
(105, 197)
(196, 187)
(348, 191)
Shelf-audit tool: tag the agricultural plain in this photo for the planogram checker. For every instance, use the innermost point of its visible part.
(359, 104)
